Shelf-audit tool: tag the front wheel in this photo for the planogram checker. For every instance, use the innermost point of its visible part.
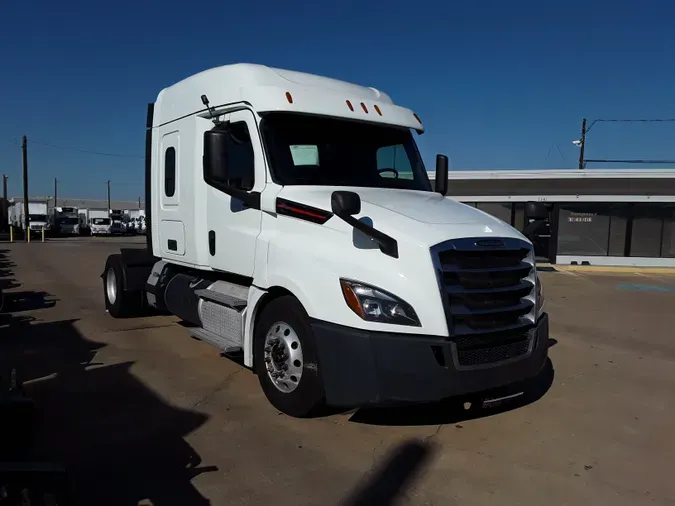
(286, 358)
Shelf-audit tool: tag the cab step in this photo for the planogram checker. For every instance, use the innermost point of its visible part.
(221, 311)
(227, 299)
(220, 342)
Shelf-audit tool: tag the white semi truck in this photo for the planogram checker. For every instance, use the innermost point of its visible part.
(290, 218)
(118, 222)
(65, 220)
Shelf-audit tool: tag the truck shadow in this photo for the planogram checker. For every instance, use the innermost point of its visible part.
(120, 442)
(454, 411)
(5, 273)
(27, 301)
(8, 284)
(13, 302)
(389, 481)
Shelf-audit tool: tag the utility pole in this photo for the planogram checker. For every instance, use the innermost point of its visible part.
(582, 145)
(24, 158)
(108, 198)
(5, 204)
(56, 190)
(139, 202)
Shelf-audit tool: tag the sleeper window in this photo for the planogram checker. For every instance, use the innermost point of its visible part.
(170, 172)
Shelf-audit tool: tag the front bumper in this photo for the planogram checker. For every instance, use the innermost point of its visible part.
(362, 368)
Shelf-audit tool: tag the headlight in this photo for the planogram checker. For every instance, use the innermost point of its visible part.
(375, 305)
(539, 300)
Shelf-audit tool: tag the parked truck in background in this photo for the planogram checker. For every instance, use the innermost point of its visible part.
(136, 221)
(290, 218)
(141, 228)
(65, 221)
(83, 216)
(99, 222)
(15, 216)
(37, 216)
(118, 222)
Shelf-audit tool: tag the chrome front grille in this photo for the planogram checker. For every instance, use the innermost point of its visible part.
(488, 292)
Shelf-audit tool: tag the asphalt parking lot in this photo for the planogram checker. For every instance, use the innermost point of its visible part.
(142, 414)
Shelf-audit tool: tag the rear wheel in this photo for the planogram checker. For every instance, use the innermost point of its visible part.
(118, 302)
(286, 358)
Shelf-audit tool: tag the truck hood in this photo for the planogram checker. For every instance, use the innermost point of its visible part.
(424, 216)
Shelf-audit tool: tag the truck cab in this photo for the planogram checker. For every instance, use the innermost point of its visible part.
(38, 222)
(118, 222)
(290, 218)
(99, 226)
(65, 221)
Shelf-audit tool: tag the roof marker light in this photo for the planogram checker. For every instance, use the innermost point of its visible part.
(349, 104)
(289, 97)
(377, 109)
(363, 106)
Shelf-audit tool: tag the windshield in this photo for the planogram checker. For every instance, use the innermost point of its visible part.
(37, 217)
(101, 221)
(314, 150)
(70, 221)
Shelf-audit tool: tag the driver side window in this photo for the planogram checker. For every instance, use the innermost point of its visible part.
(240, 157)
(394, 157)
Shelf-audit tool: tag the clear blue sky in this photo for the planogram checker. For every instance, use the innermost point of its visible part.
(498, 84)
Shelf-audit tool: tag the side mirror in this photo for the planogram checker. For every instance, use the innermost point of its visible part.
(215, 155)
(442, 174)
(345, 203)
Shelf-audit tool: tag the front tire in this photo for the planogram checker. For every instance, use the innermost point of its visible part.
(118, 302)
(286, 359)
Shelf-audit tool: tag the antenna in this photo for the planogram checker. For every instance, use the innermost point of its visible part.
(205, 101)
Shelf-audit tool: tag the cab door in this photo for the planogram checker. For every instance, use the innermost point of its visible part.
(233, 226)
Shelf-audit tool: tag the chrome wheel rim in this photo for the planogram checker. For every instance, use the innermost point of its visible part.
(111, 285)
(283, 357)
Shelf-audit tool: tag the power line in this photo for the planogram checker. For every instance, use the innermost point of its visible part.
(653, 120)
(585, 129)
(631, 161)
(82, 150)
